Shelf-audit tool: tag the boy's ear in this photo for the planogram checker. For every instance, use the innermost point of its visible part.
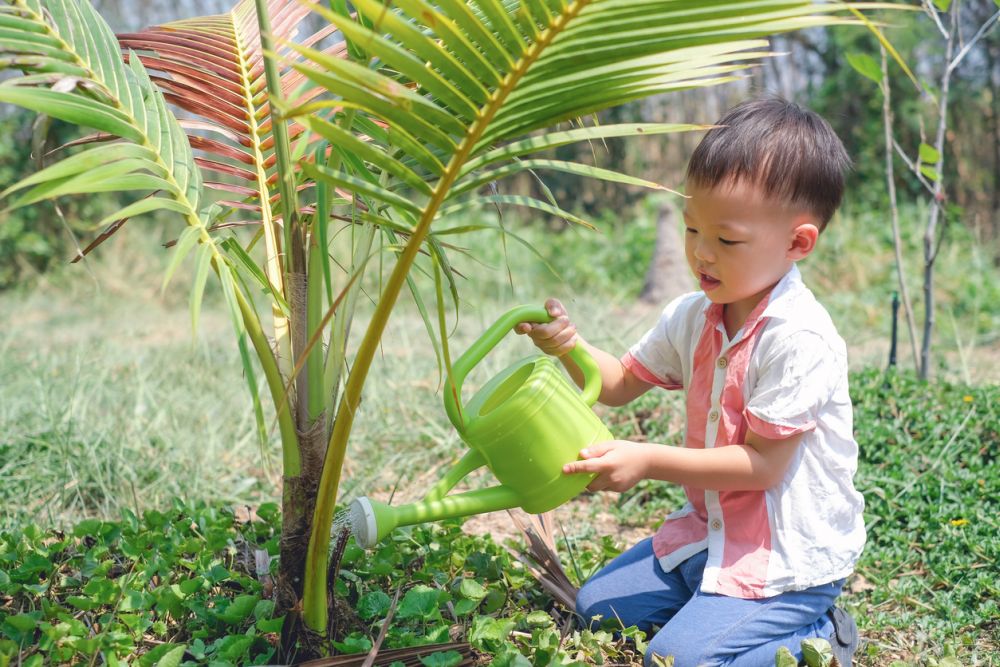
(804, 236)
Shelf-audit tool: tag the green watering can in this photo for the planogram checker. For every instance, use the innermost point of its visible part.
(524, 424)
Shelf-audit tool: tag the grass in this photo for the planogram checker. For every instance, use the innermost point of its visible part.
(108, 404)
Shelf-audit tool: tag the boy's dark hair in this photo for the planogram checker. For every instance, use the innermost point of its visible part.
(789, 152)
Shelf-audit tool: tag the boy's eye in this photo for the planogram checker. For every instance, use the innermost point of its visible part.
(728, 242)
(691, 230)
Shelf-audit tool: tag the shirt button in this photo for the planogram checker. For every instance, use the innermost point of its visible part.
(722, 362)
(713, 415)
(716, 524)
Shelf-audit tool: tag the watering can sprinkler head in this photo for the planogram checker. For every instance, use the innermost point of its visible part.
(364, 517)
(525, 425)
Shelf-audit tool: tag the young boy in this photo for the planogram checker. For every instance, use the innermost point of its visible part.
(773, 524)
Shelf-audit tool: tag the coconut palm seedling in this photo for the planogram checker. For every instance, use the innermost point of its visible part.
(388, 127)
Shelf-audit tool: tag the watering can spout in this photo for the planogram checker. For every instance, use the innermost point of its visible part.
(371, 520)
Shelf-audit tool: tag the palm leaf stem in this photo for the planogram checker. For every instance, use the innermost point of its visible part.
(295, 258)
(272, 248)
(314, 316)
(314, 593)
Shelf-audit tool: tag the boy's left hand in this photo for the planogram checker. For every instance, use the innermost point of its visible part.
(619, 464)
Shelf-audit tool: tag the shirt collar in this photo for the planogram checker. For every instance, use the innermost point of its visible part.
(779, 303)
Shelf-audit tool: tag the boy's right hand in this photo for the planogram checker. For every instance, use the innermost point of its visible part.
(557, 337)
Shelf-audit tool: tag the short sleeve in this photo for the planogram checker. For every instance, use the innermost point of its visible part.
(656, 358)
(794, 383)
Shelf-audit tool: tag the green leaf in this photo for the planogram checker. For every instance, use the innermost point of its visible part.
(270, 624)
(784, 658)
(464, 606)
(472, 589)
(357, 185)
(513, 200)
(250, 268)
(556, 165)
(72, 109)
(353, 643)
(930, 172)
(234, 648)
(173, 657)
(486, 631)
(83, 162)
(239, 609)
(419, 602)
(928, 154)
(373, 605)
(817, 652)
(539, 619)
(185, 242)
(203, 262)
(866, 66)
(442, 659)
(942, 5)
(555, 139)
(82, 603)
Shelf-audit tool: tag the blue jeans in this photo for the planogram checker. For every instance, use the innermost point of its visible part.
(703, 628)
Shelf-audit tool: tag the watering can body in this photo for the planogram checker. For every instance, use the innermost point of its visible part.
(525, 424)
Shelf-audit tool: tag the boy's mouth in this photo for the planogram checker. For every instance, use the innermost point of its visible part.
(707, 282)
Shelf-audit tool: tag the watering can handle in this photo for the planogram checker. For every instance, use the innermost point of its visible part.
(490, 338)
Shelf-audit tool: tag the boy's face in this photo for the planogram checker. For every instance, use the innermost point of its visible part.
(740, 244)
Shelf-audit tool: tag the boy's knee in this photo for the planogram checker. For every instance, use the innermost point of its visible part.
(590, 603)
(685, 651)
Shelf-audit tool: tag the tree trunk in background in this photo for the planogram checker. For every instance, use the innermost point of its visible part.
(668, 274)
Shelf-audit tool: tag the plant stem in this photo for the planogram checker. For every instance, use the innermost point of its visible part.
(890, 178)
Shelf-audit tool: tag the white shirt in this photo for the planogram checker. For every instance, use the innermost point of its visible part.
(783, 373)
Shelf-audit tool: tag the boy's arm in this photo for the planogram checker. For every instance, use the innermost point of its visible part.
(759, 464)
(618, 384)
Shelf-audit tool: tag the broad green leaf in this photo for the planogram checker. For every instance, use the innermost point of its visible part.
(784, 658)
(472, 589)
(419, 602)
(942, 5)
(239, 609)
(866, 66)
(930, 172)
(817, 652)
(928, 154)
(373, 605)
(442, 659)
(173, 657)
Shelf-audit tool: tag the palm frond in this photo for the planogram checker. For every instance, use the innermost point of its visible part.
(212, 67)
(72, 70)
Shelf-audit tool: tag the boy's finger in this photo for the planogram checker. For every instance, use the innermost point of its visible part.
(595, 451)
(550, 331)
(554, 307)
(522, 328)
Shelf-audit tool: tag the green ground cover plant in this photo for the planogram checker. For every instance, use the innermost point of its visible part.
(181, 585)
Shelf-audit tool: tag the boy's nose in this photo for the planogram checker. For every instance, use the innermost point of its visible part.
(702, 252)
